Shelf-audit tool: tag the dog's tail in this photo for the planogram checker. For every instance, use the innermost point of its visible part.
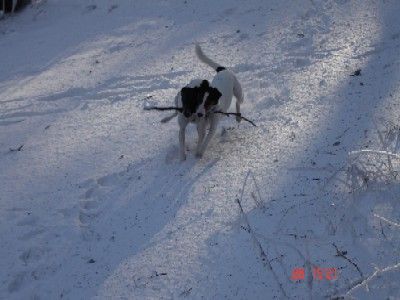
(169, 118)
(208, 61)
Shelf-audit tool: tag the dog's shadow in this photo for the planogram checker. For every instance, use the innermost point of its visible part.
(225, 134)
(172, 155)
(126, 209)
(172, 152)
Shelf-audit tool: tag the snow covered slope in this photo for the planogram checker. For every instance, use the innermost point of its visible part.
(94, 202)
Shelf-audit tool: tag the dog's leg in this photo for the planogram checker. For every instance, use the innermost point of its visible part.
(201, 130)
(182, 143)
(238, 119)
(182, 130)
(213, 127)
(238, 93)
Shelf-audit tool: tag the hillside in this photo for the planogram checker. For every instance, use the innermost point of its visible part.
(96, 204)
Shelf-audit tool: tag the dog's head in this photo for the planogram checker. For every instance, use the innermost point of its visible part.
(198, 100)
(193, 99)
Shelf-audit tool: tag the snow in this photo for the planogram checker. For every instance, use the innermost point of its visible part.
(96, 203)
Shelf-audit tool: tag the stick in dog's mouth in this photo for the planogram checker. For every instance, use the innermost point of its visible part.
(237, 115)
(180, 109)
(216, 112)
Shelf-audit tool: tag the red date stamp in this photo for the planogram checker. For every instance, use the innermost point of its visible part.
(317, 273)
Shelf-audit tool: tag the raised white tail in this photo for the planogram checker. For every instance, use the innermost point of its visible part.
(200, 54)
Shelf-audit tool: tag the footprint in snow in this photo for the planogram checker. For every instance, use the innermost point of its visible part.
(16, 282)
(99, 196)
(33, 254)
(31, 234)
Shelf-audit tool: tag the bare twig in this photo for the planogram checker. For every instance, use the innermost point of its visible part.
(258, 201)
(383, 233)
(387, 221)
(369, 278)
(156, 274)
(342, 134)
(266, 262)
(397, 144)
(16, 149)
(381, 139)
(339, 294)
(343, 254)
(216, 112)
(378, 152)
(235, 114)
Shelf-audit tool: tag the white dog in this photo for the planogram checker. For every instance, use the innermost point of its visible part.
(199, 100)
(227, 84)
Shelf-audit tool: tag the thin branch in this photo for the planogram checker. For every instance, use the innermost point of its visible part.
(338, 294)
(258, 201)
(343, 254)
(380, 152)
(163, 108)
(397, 145)
(235, 114)
(180, 109)
(381, 139)
(376, 273)
(383, 233)
(388, 221)
(264, 257)
(17, 149)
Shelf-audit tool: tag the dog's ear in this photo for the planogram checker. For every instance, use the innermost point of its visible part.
(205, 84)
(188, 98)
(187, 93)
(213, 97)
(215, 94)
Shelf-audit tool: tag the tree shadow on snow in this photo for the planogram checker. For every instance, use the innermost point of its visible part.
(302, 229)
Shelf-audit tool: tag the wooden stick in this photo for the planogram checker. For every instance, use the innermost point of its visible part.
(163, 108)
(235, 114)
(216, 112)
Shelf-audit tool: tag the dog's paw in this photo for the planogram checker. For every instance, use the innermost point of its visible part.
(238, 118)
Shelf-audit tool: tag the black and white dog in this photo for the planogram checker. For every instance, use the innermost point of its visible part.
(227, 84)
(196, 100)
(199, 99)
